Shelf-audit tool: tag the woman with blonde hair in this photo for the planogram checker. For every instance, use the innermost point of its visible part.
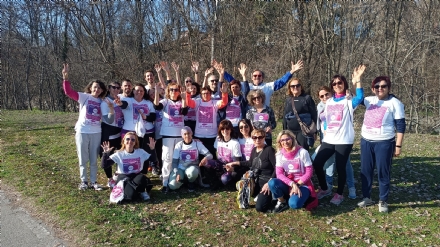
(261, 115)
(293, 186)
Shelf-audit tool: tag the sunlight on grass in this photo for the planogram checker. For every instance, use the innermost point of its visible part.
(39, 159)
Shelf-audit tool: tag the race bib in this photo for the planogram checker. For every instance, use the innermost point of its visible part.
(374, 118)
(132, 165)
(206, 117)
(93, 113)
(334, 117)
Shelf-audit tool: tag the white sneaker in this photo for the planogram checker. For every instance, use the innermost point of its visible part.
(365, 202)
(83, 186)
(256, 198)
(383, 207)
(95, 186)
(352, 193)
(145, 196)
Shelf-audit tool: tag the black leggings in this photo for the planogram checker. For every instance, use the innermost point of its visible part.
(135, 184)
(341, 151)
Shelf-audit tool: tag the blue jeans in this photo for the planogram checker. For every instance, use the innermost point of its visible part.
(379, 154)
(280, 189)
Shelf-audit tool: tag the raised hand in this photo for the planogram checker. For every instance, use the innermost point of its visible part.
(209, 71)
(225, 87)
(157, 67)
(297, 66)
(242, 69)
(106, 147)
(109, 103)
(220, 69)
(357, 73)
(117, 101)
(195, 66)
(165, 66)
(152, 143)
(175, 66)
(65, 71)
(182, 90)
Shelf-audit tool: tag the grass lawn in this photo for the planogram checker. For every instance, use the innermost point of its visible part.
(38, 159)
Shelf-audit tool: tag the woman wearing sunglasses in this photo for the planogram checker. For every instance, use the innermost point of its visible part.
(260, 114)
(111, 125)
(130, 167)
(190, 118)
(305, 107)
(384, 116)
(325, 93)
(293, 186)
(262, 163)
(339, 132)
(245, 139)
(174, 109)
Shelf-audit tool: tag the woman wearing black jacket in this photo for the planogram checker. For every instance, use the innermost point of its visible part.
(304, 105)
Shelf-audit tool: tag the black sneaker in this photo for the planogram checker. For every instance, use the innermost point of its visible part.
(191, 187)
(280, 207)
(165, 189)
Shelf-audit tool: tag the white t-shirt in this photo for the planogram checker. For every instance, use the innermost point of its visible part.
(294, 168)
(89, 120)
(189, 154)
(172, 121)
(128, 163)
(233, 111)
(118, 115)
(379, 118)
(131, 114)
(206, 115)
(226, 151)
(246, 146)
(339, 119)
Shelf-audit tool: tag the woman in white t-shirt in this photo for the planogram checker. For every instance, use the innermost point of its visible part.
(130, 167)
(88, 126)
(384, 116)
(245, 139)
(174, 109)
(186, 161)
(228, 150)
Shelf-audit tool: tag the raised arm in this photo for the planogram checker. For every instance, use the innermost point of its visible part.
(166, 68)
(278, 84)
(195, 69)
(183, 94)
(224, 101)
(176, 69)
(356, 80)
(158, 69)
(156, 95)
(66, 84)
(207, 72)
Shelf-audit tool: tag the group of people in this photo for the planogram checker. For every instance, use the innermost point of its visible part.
(211, 133)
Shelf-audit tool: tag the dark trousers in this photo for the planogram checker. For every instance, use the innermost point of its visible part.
(209, 144)
(301, 140)
(379, 154)
(341, 151)
(144, 145)
(135, 184)
(264, 202)
(116, 143)
(191, 124)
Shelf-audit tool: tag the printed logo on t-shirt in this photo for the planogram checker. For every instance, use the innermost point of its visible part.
(175, 119)
(205, 118)
(189, 155)
(139, 108)
(119, 117)
(374, 117)
(261, 117)
(131, 165)
(93, 113)
(191, 115)
(233, 112)
(334, 117)
(224, 154)
(292, 168)
(246, 150)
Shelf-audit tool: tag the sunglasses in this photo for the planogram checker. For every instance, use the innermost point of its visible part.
(244, 127)
(188, 81)
(174, 89)
(130, 139)
(115, 87)
(257, 137)
(380, 86)
(337, 83)
(214, 80)
(285, 140)
(324, 95)
(295, 86)
(258, 76)
(254, 98)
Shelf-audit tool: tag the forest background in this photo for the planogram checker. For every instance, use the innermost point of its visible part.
(113, 40)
